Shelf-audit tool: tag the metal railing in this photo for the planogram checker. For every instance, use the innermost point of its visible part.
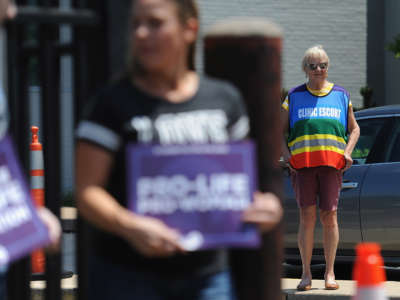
(34, 50)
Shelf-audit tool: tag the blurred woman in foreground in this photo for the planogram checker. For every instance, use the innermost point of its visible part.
(160, 100)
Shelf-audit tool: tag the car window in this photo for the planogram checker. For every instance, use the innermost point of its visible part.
(394, 145)
(369, 132)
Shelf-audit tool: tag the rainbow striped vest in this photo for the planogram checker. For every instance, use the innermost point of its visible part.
(318, 126)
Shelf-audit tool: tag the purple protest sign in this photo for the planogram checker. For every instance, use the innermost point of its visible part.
(201, 190)
(21, 230)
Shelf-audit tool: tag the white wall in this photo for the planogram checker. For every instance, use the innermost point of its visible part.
(340, 26)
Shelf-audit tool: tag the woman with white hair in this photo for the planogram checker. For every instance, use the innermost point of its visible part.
(320, 134)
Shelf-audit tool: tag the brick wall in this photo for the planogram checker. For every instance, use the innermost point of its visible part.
(340, 26)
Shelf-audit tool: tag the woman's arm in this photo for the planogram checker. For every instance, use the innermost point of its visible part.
(354, 134)
(93, 165)
(149, 236)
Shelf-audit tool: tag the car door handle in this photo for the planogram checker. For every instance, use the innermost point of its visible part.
(349, 185)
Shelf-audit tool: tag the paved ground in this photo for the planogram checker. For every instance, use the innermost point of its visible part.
(289, 292)
(68, 286)
(346, 291)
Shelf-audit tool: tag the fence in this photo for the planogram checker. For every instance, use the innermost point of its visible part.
(44, 33)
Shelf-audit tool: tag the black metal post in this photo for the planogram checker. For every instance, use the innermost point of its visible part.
(96, 65)
(248, 53)
(90, 70)
(49, 72)
(80, 94)
(18, 280)
(55, 16)
(13, 54)
(17, 67)
(18, 277)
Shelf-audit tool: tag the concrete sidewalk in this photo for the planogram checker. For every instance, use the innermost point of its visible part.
(289, 292)
(345, 292)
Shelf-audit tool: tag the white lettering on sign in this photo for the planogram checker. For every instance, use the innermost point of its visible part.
(14, 211)
(310, 112)
(200, 126)
(14, 217)
(168, 194)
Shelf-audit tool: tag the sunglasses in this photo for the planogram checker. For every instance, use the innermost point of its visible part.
(322, 66)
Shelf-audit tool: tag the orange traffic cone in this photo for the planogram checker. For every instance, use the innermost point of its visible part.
(38, 258)
(369, 273)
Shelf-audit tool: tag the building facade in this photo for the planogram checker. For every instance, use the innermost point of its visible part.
(383, 69)
(340, 26)
(353, 32)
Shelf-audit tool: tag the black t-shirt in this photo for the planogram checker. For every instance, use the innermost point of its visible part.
(123, 114)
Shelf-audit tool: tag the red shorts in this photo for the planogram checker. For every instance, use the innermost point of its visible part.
(324, 182)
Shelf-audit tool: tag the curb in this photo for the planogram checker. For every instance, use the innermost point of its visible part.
(345, 292)
(68, 289)
(66, 294)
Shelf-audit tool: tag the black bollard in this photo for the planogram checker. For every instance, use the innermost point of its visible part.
(247, 52)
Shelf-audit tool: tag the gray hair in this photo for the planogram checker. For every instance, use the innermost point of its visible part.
(314, 51)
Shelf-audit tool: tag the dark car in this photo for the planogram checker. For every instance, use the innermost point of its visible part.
(369, 205)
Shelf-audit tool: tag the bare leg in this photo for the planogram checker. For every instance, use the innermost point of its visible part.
(331, 240)
(306, 241)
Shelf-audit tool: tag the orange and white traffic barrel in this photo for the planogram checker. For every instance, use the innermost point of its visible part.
(368, 272)
(38, 258)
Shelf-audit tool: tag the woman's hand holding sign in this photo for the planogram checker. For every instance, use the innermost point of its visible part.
(265, 211)
(150, 236)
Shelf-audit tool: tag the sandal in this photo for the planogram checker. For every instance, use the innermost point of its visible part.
(331, 286)
(304, 287)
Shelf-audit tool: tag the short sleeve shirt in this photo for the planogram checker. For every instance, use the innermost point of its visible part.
(123, 114)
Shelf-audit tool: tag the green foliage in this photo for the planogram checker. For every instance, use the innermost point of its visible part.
(395, 46)
(367, 92)
(360, 153)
